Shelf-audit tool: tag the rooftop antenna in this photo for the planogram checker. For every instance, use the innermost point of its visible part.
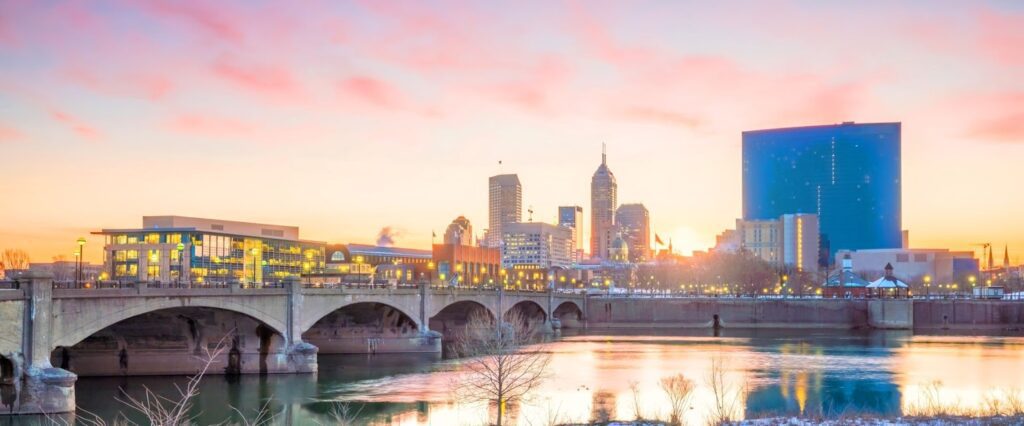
(604, 153)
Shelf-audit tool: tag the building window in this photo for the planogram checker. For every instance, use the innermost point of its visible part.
(920, 257)
(902, 258)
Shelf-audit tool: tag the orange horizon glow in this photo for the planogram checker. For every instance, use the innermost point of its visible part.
(343, 118)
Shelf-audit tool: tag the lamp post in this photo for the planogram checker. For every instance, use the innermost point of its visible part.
(78, 255)
(255, 261)
(181, 263)
(430, 267)
(78, 260)
(928, 286)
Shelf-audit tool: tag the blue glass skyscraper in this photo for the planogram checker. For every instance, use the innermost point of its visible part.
(848, 174)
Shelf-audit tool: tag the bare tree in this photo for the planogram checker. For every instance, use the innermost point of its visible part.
(14, 259)
(728, 397)
(501, 365)
(634, 388)
(679, 390)
(160, 410)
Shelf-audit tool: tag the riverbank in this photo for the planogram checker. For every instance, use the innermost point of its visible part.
(897, 421)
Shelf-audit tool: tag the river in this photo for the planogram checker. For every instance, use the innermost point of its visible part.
(594, 374)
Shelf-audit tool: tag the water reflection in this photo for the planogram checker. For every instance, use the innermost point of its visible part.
(594, 376)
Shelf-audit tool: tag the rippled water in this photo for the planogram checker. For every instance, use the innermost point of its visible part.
(779, 372)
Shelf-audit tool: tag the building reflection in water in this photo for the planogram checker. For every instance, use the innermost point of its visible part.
(809, 372)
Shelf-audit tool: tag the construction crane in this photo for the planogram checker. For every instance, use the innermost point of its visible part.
(986, 255)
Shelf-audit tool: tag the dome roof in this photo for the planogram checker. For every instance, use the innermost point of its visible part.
(619, 243)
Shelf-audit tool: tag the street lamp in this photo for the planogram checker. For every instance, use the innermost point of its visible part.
(78, 260)
(928, 286)
(430, 267)
(181, 263)
(255, 264)
(78, 255)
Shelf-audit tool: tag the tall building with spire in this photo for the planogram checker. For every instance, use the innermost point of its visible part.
(505, 205)
(603, 200)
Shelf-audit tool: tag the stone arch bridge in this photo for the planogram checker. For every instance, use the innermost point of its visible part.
(49, 336)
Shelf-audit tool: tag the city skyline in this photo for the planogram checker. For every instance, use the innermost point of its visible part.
(104, 123)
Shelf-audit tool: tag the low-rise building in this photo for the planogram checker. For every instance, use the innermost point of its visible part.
(208, 251)
(467, 264)
(937, 266)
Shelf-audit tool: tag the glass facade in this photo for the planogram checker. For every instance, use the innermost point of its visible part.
(205, 257)
(848, 174)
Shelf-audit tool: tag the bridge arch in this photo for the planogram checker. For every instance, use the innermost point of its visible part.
(455, 316)
(568, 313)
(179, 339)
(83, 330)
(316, 312)
(366, 327)
(527, 307)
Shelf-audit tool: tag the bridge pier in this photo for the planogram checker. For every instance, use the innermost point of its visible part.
(37, 387)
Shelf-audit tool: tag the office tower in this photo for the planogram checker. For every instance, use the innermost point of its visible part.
(603, 200)
(536, 246)
(789, 241)
(572, 217)
(848, 174)
(505, 205)
(634, 223)
(459, 232)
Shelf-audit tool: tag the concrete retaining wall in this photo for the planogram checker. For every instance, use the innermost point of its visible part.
(739, 313)
(968, 314)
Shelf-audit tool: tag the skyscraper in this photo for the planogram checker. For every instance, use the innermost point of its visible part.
(572, 217)
(848, 174)
(634, 223)
(603, 199)
(505, 205)
(459, 232)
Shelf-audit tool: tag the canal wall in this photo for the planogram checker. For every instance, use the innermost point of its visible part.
(969, 314)
(728, 312)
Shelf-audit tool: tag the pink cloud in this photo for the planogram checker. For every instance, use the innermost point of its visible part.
(1002, 36)
(209, 125)
(133, 83)
(270, 80)
(201, 15)
(662, 116)
(9, 134)
(997, 117)
(80, 128)
(370, 90)
(597, 38)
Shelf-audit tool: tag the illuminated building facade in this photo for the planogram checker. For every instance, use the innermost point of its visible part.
(535, 245)
(505, 205)
(790, 241)
(467, 265)
(208, 252)
(572, 217)
(848, 174)
(358, 262)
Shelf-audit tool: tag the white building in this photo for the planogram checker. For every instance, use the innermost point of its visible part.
(791, 241)
(940, 266)
(535, 245)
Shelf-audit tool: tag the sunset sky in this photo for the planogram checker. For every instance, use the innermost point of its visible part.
(346, 117)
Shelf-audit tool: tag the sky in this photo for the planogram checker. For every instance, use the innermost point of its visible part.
(343, 118)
